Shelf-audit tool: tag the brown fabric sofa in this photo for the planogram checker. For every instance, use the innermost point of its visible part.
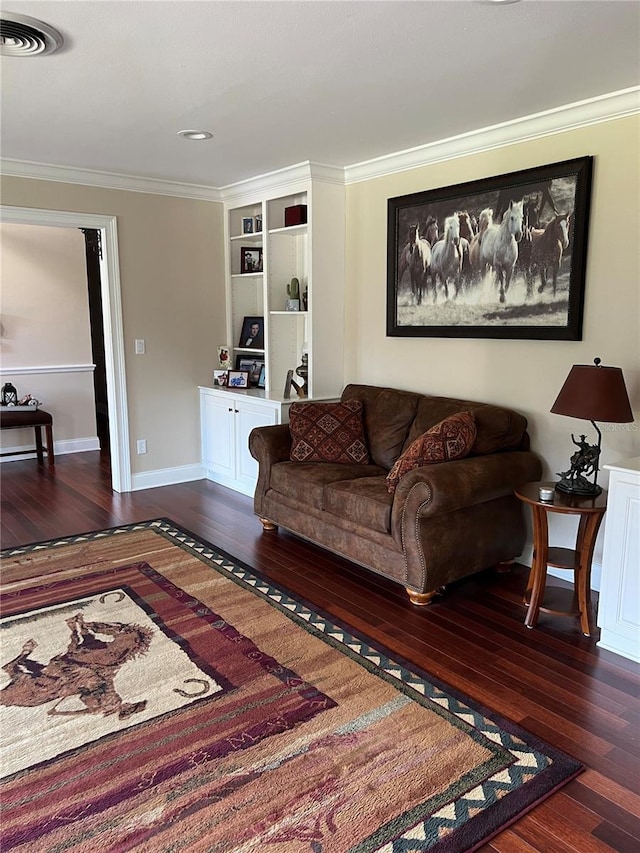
(444, 522)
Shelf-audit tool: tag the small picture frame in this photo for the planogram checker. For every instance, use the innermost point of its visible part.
(252, 334)
(224, 359)
(248, 225)
(220, 378)
(258, 223)
(250, 259)
(262, 380)
(253, 365)
(238, 379)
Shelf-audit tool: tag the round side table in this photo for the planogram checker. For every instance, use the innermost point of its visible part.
(590, 511)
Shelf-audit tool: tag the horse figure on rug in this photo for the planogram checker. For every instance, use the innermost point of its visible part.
(499, 246)
(446, 258)
(419, 262)
(87, 669)
(547, 248)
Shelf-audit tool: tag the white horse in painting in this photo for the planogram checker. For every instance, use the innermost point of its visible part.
(499, 246)
(446, 257)
(485, 220)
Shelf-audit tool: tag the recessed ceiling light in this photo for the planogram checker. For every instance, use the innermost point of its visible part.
(195, 134)
(21, 35)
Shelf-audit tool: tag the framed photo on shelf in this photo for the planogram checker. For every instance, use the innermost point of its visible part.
(262, 378)
(238, 379)
(253, 365)
(252, 334)
(250, 259)
(220, 378)
(258, 223)
(247, 225)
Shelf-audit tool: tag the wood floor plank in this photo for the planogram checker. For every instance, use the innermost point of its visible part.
(556, 683)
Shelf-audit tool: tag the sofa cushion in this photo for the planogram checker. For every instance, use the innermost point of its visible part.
(328, 432)
(364, 501)
(306, 481)
(497, 428)
(450, 439)
(388, 415)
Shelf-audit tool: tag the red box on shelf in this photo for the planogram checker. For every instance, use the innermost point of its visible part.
(296, 215)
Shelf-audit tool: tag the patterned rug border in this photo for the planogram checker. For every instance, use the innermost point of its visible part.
(476, 719)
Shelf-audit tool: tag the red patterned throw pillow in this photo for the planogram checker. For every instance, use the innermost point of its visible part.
(328, 432)
(451, 439)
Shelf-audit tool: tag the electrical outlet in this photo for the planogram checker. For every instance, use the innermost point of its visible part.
(141, 445)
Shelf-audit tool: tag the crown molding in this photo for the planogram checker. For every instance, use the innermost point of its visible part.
(614, 105)
(282, 181)
(558, 120)
(107, 180)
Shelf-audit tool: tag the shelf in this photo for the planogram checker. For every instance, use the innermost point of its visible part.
(256, 237)
(295, 313)
(247, 275)
(249, 350)
(291, 229)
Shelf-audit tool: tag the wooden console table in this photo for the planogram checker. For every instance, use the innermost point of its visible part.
(590, 512)
(37, 418)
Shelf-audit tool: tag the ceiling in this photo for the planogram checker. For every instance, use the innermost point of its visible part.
(278, 83)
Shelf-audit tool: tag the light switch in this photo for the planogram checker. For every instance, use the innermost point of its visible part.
(139, 347)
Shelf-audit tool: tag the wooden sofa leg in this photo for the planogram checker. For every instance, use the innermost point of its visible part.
(421, 598)
(505, 567)
(268, 525)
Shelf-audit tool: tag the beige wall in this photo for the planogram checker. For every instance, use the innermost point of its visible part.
(525, 375)
(45, 324)
(172, 280)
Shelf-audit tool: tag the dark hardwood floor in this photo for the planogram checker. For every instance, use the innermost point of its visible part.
(552, 680)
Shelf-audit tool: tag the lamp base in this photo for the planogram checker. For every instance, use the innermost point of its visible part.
(584, 488)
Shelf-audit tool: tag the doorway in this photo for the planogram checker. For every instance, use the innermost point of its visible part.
(111, 322)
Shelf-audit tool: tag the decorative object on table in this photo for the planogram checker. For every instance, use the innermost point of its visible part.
(247, 225)
(293, 292)
(9, 395)
(250, 259)
(222, 636)
(518, 272)
(252, 334)
(224, 359)
(594, 393)
(258, 223)
(303, 372)
(220, 377)
(238, 379)
(546, 493)
(305, 299)
(295, 215)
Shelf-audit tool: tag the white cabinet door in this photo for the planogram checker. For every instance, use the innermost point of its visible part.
(218, 444)
(249, 414)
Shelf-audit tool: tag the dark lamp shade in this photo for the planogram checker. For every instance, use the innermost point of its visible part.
(594, 394)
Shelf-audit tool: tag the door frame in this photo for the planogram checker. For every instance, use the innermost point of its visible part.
(111, 320)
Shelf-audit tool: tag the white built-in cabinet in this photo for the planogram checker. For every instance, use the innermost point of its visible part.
(313, 252)
(619, 604)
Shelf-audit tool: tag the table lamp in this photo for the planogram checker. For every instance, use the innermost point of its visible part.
(594, 393)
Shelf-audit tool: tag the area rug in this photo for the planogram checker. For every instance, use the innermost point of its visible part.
(158, 695)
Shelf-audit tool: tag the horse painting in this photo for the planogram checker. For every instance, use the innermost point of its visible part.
(547, 248)
(419, 262)
(446, 257)
(87, 669)
(499, 246)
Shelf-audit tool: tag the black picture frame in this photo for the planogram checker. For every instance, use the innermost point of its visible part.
(474, 304)
(238, 379)
(250, 259)
(256, 337)
(262, 379)
(254, 366)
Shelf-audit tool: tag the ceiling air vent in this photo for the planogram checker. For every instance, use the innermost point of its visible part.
(21, 35)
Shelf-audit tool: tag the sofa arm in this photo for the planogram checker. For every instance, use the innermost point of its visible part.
(268, 445)
(448, 486)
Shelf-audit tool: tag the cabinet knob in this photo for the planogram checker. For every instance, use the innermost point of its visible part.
(230, 410)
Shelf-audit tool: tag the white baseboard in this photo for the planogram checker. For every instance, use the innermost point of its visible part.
(564, 574)
(167, 477)
(60, 448)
